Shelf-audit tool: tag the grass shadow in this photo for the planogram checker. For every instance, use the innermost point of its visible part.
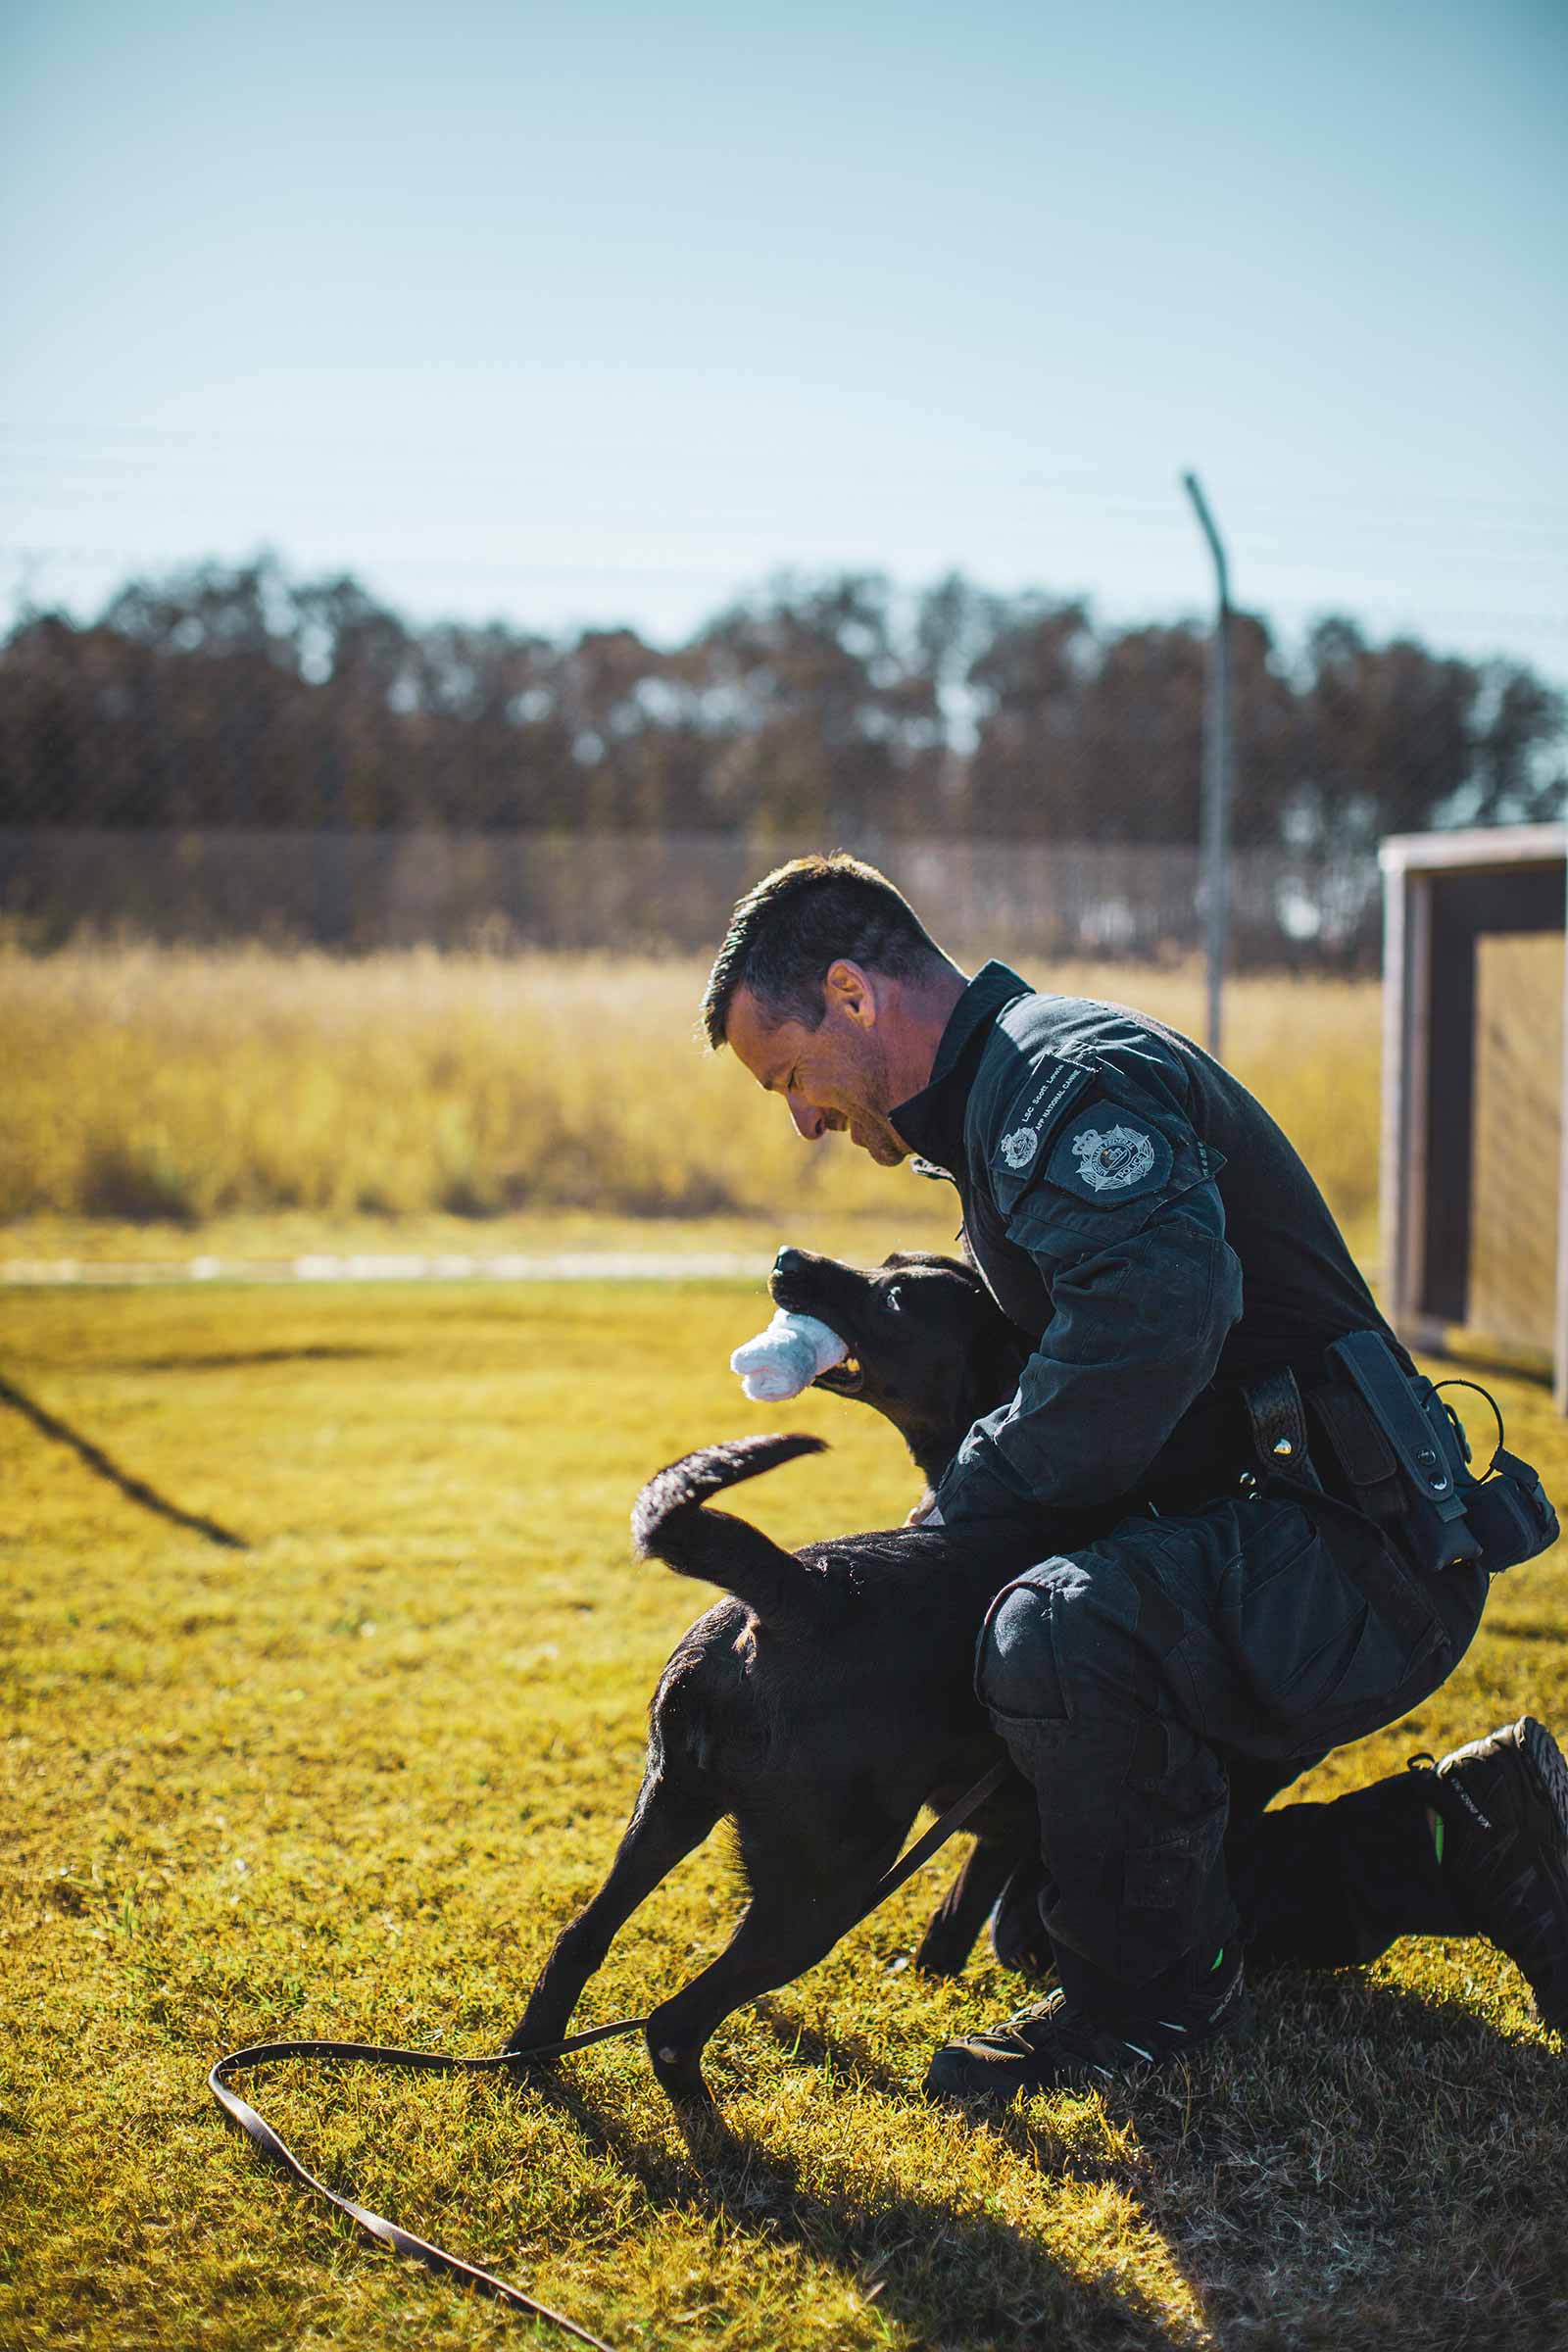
(949, 2274)
(247, 1361)
(134, 1489)
(1373, 2150)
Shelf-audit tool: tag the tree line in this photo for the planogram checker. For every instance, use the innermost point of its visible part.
(816, 708)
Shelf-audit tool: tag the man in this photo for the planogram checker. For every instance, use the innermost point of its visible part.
(1268, 1579)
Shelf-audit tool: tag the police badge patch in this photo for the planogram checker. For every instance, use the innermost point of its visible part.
(1110, 1154)
(1019, 1148)
(1113, 1161)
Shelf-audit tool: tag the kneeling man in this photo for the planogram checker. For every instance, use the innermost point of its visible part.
(1288, 1550)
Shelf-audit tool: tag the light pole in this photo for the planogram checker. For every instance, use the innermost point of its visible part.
(1215, 824)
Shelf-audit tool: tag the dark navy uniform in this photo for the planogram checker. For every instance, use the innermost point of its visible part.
(1188, 1643)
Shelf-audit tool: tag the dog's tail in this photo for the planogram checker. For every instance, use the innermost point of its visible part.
(669, 1522)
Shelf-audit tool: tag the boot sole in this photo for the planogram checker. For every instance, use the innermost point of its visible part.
(954, 2080)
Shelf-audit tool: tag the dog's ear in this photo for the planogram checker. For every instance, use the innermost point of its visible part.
(898, 1259)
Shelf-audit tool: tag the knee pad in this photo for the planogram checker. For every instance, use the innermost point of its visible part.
(1016, 1669)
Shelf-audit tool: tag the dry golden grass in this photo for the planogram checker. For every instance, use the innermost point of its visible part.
(176, 1088)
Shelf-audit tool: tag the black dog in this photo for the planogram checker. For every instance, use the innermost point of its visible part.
(830, 1698)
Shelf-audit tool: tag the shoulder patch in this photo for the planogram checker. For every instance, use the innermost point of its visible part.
(1110, 1154)
(1043, 1101)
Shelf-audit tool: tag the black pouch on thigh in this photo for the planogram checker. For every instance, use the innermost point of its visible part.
(1415, 1630)
(1333, 1631)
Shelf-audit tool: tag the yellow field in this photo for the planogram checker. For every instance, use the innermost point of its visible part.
(352, 1780)
(169, 1089)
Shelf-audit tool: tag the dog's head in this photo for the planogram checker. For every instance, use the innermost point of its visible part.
(929, 1348)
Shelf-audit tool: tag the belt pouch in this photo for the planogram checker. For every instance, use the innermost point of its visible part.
(1358, 1460)
(1428, 1450)
(1510, 1513)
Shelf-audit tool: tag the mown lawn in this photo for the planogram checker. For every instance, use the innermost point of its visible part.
(350, 1780)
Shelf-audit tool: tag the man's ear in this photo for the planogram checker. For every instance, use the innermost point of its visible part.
(848, 988)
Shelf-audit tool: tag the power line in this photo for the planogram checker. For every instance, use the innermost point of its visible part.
(416, 460)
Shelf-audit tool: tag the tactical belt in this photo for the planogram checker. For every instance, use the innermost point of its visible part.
(1387, 1444)
(1276, 1420)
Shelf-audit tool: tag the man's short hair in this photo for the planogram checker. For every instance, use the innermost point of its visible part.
(797, 921)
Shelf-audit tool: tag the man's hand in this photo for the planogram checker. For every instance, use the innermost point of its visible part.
(926, 1512)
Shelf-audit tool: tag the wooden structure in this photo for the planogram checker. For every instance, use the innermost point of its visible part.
(1474, 1167)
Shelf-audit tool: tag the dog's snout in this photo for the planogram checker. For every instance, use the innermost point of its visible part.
(789, 1262)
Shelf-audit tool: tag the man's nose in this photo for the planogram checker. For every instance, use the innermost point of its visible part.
(809, 1120)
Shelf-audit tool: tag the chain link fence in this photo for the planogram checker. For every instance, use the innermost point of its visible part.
(230, 754)
(656, 892)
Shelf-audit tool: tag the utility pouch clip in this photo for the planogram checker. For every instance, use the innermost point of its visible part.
(1509, 1512)
(1427, 1445)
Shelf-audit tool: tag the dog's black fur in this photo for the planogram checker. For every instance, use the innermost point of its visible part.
(830, 1698)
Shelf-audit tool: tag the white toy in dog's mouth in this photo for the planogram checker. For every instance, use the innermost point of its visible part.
(792, 1353)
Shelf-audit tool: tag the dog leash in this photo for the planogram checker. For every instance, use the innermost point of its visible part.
(377, 2225)
(442, 2062)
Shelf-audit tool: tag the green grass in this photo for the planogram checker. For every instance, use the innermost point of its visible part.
(351, 1780)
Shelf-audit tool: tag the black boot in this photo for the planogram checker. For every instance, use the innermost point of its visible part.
(1057, 2046)
(1503, 1806)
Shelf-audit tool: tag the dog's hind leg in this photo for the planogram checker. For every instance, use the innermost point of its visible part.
(667, 1820)
(964, 1908)
(782, 1933)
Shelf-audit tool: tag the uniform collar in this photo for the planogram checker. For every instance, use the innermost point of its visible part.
(931, 1122)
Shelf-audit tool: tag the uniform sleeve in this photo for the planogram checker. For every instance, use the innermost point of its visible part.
(1122, 1217)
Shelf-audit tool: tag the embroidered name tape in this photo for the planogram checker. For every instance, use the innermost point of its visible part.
(1053, 1086)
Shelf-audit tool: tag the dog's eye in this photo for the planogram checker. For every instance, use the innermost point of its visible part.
(895, 1300)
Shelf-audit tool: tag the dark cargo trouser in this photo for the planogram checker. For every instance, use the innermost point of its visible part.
(1158, 1686)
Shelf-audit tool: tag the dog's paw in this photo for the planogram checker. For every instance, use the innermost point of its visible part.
(533, 2043)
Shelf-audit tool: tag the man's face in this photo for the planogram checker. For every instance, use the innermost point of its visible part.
(834, 1078)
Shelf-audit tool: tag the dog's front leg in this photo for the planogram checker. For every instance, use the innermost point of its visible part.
(665, 1824)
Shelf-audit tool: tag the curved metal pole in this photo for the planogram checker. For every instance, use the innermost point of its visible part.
(1214, 830)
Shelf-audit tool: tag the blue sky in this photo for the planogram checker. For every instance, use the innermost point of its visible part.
(603, 315)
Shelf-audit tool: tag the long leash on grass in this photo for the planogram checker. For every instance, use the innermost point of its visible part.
(442, 2062)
